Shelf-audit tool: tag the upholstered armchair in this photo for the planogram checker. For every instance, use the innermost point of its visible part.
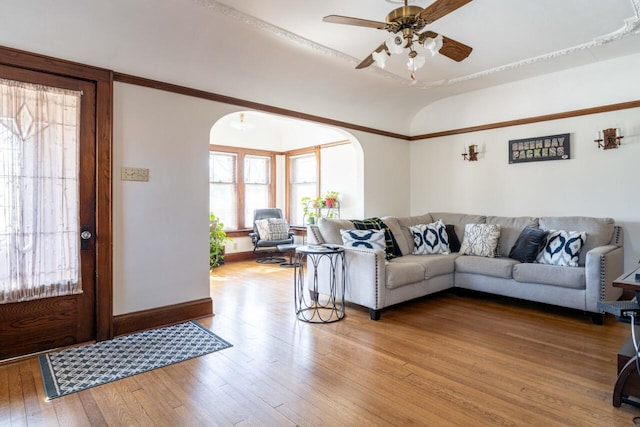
(270, 229)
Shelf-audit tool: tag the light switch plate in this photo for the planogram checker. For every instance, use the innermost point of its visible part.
(134, 174)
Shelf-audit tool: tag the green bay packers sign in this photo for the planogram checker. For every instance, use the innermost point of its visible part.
(553, 147)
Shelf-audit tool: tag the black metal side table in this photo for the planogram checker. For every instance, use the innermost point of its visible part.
(313, 303)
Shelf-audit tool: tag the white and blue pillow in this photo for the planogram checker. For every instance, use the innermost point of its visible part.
(364, 239)
(562, 248)
(430, 238)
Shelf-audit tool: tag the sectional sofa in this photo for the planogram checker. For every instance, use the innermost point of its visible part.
(376, 281)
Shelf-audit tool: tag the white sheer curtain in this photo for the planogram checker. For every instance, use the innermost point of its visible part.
(39, 134)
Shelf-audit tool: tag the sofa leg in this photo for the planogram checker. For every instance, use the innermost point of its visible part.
(374, 314)
(597, 318)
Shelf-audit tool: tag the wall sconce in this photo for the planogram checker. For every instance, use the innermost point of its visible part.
(472, 156)
(608, 138)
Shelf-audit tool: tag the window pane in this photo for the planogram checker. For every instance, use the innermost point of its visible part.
(299, 191)
(222, 167)
(256, 170)
(223, 188)
(303, 184)
(303, 169)
(256, 197)
(222, 202)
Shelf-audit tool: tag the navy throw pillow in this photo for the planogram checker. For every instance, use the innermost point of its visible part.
(529, 243)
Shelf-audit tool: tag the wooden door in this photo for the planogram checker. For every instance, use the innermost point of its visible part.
(32, 326)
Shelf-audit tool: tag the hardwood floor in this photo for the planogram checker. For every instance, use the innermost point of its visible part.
(472, 360)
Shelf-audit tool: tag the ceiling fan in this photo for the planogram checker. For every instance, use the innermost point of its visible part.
(405, 24)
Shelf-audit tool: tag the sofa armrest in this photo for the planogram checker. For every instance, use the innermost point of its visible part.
(314, 237)
(365, 276)
(603, 265)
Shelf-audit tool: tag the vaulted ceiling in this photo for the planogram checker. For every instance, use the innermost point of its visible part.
(281, 53)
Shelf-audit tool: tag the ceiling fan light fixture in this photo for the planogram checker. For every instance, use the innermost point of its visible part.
(396, 43)
(416, 63)
(380, 58)
(433, 45)
(241, 125)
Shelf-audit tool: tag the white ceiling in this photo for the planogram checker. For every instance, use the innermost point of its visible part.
(280, 53)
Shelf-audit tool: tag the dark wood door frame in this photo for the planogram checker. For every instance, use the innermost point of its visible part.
(103, 80)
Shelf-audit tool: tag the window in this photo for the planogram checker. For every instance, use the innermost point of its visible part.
(256, 185)
(223, 187)
(303, 173)
(240, 181)
(39, 191)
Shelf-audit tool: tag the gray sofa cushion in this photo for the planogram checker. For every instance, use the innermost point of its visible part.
(510, 229)
(567, 277)
(404, 222)
(494, 267)
(403, 273)
(599, 230)
(433, 265)
(330, 229)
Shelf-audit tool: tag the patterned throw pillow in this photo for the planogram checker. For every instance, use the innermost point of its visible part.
(392, 250)
(562, 248)
(430, 238)
(480, 240)
(367, 239)
(272, 229)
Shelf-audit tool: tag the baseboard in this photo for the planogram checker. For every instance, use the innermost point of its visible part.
(161, 316)
(241, 256)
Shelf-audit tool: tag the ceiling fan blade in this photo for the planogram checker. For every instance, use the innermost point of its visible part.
(450, 48)
(440, 8)
(337, 19)
(369, 59)
(454, 49)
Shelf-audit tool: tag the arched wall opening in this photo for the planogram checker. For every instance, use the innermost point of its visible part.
(341, 157)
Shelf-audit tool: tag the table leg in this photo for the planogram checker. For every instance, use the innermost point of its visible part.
(619, 395)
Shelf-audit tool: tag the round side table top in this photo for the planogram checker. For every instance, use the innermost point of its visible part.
(319, 249)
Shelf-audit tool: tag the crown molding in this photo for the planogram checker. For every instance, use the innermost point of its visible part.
(630, 25)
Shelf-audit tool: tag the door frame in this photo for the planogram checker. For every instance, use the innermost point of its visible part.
(103, 80)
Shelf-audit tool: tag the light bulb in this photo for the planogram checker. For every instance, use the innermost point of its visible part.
(395, 43)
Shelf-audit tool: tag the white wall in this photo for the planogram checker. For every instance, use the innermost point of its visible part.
(160, 228)
(341, 170)
(386, 174)
(592, 183)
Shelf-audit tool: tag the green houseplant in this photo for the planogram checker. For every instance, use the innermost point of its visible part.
(217, 240)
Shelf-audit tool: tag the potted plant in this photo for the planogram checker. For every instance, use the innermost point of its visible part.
(312, 218)
(331, 199)
(318, 202)
(217, 240)
(305, 208)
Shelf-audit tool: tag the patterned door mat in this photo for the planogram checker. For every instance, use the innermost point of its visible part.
(75, 369)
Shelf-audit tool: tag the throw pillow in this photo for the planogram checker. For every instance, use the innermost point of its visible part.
(272, 229)
(430, 238)
(454, 242)
(562, 248)
(368, 239)
(480, 240)
(529, 243)
(392, 249)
